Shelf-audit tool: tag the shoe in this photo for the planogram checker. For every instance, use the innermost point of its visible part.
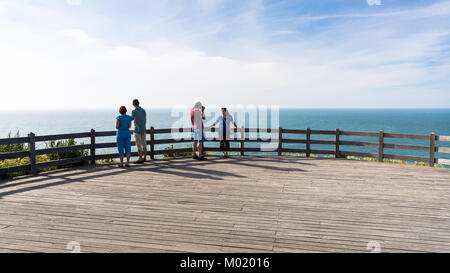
(139, 162)
(202, 158)
(127, 165)
(226, 156)
(194, 157)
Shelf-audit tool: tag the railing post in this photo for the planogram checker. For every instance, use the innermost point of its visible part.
(92, 147)
(380, 145)
(336, 145)
(32, 148)
(432, 148)
(280, 140)
(242, 140)
(152, 142)
(308, 142)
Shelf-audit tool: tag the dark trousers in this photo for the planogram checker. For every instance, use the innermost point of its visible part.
(224, 143)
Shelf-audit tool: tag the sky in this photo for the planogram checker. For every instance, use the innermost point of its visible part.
(96, 54)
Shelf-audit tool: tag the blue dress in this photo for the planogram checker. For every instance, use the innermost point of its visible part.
(123, 136)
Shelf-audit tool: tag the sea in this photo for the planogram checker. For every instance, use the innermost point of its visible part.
(407, 121)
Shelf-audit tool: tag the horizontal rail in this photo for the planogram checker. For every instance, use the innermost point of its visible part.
(442, 149)
(407, 136)
(293, 140)
(61, 162)
(353, 133)
(111, 156)
(293, 131)
(14, 140)
(406, 157)
(22, 168)
(443, 161)
(323, 132)
(358, 143)
(323, 142)
(105, 133)
(358, 154)
(443, 138)
(63, 149)
(14, 155)
(325, 152)
(173, 151)
(289, 150)
(406, 147)
(62, 136)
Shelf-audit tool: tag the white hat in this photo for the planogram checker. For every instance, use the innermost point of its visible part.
(198, 105)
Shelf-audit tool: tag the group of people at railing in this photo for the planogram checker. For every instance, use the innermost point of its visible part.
(139, 117)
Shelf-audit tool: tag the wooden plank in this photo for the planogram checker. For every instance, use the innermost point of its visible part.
(406, 136)
(358, 143)
(381, 136)
(14, 155)
(406, 157)
(259, 130)
(438, 149)
(336, 143)
(439, 138)
(323, 132)
(105, 133)
(62, 136)
(308, 142)
(61, 162)
(406, 147)
(112, 156)
(170, 141)
(106, 145)
(152, 142)
(325, 152)
(242, 142)
(14, 140)
(359, 154)
(32, 150)
(294, 131)
(443, 161)
(172, 151)
(280, 140)
(323, 142)
(63, 149)
(354, 133)
(21, 168)
(92, 147)
(431, 149)
(291, 140)
(171, 130)
(290, 150)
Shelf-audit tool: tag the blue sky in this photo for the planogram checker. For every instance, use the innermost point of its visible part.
(307, 54)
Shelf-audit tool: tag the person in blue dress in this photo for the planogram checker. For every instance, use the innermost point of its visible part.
(123, 137)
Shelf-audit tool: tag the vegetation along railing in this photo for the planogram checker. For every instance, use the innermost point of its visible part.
(31, 152)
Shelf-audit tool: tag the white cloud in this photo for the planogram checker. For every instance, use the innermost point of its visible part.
(77, 35)
(345, 65)
(74, 2)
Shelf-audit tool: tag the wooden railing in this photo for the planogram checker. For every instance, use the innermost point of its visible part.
(338, 151)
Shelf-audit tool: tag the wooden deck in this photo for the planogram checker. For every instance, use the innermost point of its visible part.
(242, 204)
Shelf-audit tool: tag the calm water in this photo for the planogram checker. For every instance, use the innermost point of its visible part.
(414, 121)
